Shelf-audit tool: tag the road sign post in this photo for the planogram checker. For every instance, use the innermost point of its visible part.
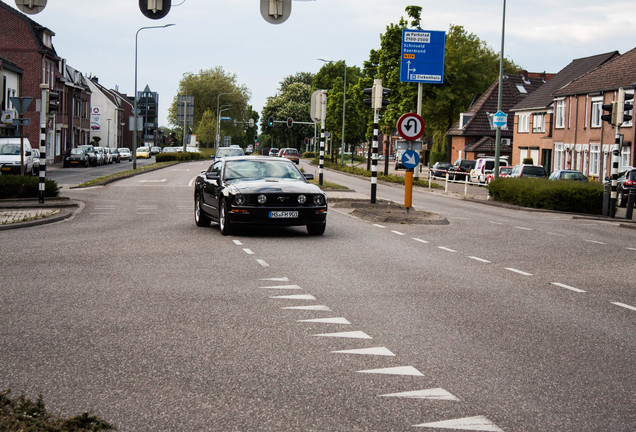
(410, 126)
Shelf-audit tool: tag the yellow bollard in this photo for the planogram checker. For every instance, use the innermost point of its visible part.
(408, 189)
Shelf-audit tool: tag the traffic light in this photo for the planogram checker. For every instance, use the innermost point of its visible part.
(276, 11)
(53, 103)
(611, 109)
(623, 106)
(368, 101)
(155, 9)
(255, 139)
(377, 93)
(270, 121)
(290, 122)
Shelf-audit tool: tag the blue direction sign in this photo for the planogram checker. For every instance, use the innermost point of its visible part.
(422, 59)
(410, 159)
(500, 119)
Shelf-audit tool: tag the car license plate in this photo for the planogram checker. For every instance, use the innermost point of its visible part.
(283, 214)
(74, 162)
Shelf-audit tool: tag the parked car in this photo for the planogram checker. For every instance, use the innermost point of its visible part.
(398, 159)
(222, 152)
(249, 149)
(258, 190)
(291, 154)
(114, 153)
(172, 150)
(155, 150)
(124, 153)
(568, 175)
(35, 153)
(108, 156)
(504, 171)
(10, 159)
(523, 170)
(460, 169)
(439, 169)
(99, 154)
(273, 152)
(92, 155)
(76, 157)
(143, 152)
(626, 183)
(483, 166)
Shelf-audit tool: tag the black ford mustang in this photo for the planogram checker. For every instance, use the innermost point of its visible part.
(258, 190)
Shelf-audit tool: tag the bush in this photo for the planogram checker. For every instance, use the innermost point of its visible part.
(22, 414)
(17, 186)
(179, 157)
(567, 196)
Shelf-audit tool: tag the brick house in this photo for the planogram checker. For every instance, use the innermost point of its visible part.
(10, 85)
(473, 135)
(533, 116)
(582, 141)
(72, 122)
(29, 46)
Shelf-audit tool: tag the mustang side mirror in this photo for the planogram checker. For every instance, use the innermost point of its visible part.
(308, 176)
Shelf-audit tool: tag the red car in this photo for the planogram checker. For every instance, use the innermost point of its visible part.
(504, 171)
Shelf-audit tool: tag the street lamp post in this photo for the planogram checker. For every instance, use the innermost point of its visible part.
(135, 109)
(108, 135)
(218, 122)
(218, 115)
(344, 100)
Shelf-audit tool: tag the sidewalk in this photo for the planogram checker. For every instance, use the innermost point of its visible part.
(19, 213)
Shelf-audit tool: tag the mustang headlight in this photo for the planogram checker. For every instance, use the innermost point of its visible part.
(302, 199)
(239, 200)
(319, 200)
(261, 199)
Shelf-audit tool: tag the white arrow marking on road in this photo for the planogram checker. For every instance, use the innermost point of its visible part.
(288, 287)
(310, 308)
(338, 320)
(400, 370)
(295, 297)
(436, 394)
(281, 279)
(382, 351)
(352, 335)
(477, 423)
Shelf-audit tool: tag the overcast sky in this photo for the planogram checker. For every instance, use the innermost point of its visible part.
(97, 37)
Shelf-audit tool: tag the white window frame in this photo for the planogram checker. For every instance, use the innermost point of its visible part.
(595, 156)
(626, 156)
(558, 156)
(596, 111)
(538, 123)
(523, 125)
(559, 114)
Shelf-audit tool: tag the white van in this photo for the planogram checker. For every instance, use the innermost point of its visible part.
(483, 166)
(10, 157)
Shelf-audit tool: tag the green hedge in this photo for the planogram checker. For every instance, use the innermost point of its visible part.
(17, 186)
(567, 196)
(179, 157)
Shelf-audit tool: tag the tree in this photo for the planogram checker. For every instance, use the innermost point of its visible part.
(212, 89)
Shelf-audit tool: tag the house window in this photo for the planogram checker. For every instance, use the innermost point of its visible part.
(558, 156)
(596, 112)
(538, 123)
(559, 114)
(595, 154)
(523, 125)
(626, 154)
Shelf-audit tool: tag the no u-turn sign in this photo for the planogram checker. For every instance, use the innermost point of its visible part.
(410, 126)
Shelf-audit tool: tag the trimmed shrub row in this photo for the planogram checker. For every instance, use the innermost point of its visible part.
(566, 196)
(17, 186)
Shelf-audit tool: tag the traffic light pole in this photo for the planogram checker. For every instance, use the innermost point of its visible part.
(374, 156)
(323, 117)
(615, 162)
(43, 117)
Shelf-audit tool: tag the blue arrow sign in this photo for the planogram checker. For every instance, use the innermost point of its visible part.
(422, 59)
(410, 159)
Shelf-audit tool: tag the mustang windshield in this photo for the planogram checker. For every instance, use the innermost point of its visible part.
(259, 169)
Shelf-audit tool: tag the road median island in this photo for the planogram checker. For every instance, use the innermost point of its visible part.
(387, 212)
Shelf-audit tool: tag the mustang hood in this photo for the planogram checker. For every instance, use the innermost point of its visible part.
(275, 186)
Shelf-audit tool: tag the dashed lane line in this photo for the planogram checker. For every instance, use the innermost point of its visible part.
(479, 259)
(567, 287)
(521, 272)
(420, 240)
(398, 232)
(626, 306)
(595, 242)
(446, 249)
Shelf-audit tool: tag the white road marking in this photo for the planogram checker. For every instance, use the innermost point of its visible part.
(379, 226)
(248, 251)
(295, 297)
(420, 240)
(310, 308)
(286, 287)
(625, 306)
(567, 287)
(280, 279)
(397, 232)
(335, 320)
(446, 249)
(380, 351)
(351, 335)
(191, 182)
(238, 242)
(595, 242)
(524, 228)
(479, 259)
(436, 394)
(555, 234)
(105, 207)
(632, 249)
(518, 271)
(262, 262)
(477, 423)
(400, 370)
(496, 223)
(153, 181)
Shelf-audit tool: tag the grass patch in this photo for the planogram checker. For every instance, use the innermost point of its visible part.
(123, 174)
(22, 414)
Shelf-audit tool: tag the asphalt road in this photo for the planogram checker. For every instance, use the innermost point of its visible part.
(503, 320)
